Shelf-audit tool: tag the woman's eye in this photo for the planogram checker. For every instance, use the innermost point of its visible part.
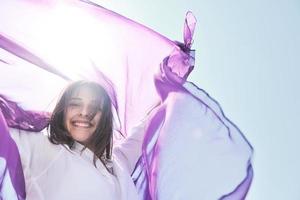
(73, 104)
(96, 108)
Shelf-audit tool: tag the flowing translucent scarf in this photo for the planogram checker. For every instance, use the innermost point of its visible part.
(190, 150)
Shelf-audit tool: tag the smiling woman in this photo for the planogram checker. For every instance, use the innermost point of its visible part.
(79, 139)
(83, 114)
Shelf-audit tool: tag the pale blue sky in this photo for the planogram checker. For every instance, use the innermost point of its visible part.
(247, 58)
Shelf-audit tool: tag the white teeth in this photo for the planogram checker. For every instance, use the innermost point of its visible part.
(82, 124)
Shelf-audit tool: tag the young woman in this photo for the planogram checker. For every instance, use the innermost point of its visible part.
(75, 157)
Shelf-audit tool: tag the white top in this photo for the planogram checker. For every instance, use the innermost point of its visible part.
(55, 172)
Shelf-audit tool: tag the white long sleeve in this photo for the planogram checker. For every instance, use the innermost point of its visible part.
(129, 151)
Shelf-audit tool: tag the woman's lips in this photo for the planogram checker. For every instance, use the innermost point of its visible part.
(81, 124)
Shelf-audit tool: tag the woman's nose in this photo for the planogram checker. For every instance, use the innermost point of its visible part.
(85, 111)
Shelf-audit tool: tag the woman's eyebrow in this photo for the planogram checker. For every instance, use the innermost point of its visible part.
(94, 101)
(76, 98)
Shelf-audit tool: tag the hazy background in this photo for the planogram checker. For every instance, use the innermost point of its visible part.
(248, 59)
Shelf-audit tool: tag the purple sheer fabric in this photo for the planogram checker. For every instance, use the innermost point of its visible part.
(47, 44)
(11, 175)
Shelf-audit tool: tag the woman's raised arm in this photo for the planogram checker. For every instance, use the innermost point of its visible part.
(129, 151)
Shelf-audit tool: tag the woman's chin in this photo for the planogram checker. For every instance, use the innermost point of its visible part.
(81, 136)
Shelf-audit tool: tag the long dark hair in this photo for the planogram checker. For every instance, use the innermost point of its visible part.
(101, 140)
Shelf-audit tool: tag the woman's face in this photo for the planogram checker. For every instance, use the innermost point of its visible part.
(83, 114)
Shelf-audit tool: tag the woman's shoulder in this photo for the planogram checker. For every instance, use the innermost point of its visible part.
(29, 135)
(33, 142)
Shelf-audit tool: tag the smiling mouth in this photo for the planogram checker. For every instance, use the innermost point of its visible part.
(82, 124)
